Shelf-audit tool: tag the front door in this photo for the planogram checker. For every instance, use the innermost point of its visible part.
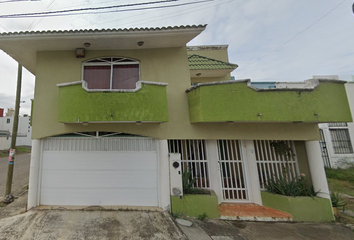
(234, 177)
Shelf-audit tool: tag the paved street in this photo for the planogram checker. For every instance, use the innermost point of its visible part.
(21, 172)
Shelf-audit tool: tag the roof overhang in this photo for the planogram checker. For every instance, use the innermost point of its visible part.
(23, 46)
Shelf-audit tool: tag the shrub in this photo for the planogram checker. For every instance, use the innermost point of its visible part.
(337, 200)
(286, 186)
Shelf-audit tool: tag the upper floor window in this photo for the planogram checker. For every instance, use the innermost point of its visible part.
(8, 120)
(111, 73)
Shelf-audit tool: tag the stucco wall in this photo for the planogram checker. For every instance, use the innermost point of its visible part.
(302, 159)
(157, 65)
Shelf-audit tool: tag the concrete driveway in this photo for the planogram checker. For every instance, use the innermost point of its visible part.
(57, 224)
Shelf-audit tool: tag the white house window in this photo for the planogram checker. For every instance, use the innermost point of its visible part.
(111, 73)
(8, 120)
(340, 138)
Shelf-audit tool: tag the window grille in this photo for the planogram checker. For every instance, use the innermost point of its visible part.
(111, 73)
(341, 141)
(232, 170)
(323, 146)
(193, 158)
(271, 165)
(343, 124)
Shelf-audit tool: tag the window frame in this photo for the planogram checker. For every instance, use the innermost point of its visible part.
(110, 63)
(340, 126)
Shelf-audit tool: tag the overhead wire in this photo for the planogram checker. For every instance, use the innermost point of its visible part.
(10, 1)
(52, 13)
(292, 38)
(169, 15)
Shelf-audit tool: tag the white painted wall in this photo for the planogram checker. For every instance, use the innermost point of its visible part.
(23, 134)
(336, 158)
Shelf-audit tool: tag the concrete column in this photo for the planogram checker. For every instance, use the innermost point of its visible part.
(250, 161)
(34, 174)
(165, 201)
(214, 168)
(318, 174)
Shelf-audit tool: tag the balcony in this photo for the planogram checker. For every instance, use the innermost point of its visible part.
(238, 101)
(146, 103)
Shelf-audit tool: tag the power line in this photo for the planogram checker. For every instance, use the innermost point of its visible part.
(169, 15)
(134, 9)
(52, 13)
(10, 1)
(286, 42)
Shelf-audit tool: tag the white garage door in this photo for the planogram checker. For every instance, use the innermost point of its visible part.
(99, 171)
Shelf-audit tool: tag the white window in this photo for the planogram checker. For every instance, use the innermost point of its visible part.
(111, 73)
(340, 138)
(8, 120)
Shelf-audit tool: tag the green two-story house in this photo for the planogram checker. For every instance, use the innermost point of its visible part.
(111, 105)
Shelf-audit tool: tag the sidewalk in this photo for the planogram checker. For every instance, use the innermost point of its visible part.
(151, 225)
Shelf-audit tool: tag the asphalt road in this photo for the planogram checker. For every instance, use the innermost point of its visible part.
(20, 175)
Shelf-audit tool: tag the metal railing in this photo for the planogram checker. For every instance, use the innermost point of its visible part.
(271, 165)
(193, 158)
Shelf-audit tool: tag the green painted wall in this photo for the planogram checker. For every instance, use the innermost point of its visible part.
(302, 209)
(168, 65)
(195, 205)
(78, 105)
(237, 102)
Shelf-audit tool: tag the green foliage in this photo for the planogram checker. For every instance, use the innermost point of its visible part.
(337, 200)
(188, 182)
(286, 186)
(341, 174)
(282, 148)
(202, 217)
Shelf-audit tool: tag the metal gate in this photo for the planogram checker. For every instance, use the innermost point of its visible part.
(232, 171)
(193, 159)
(324, 152)
(271, 165)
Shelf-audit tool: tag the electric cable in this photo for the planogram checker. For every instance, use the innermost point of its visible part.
(51, 13)
(292, 38)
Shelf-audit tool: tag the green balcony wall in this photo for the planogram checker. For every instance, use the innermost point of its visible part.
(236, 102)
(147, 104)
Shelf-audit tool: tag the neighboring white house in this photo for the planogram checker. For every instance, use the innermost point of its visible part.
(23, 134)
(337, 138)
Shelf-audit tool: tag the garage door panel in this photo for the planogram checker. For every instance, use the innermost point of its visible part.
(78, 197)
(143, 179)
(99, 177)
(99, 160)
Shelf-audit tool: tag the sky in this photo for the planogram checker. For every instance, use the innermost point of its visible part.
(270, 40)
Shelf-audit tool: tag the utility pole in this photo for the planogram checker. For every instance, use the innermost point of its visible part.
(10, 166)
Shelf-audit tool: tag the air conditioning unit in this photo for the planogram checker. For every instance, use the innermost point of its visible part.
(176, 175)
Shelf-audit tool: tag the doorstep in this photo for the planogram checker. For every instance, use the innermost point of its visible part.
(252, 212)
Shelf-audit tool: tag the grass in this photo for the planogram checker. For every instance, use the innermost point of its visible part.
(342, 181)
(19, 150)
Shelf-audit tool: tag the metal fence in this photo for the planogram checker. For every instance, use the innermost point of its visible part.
(193, 159)
(324, 151)
(271, 165)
